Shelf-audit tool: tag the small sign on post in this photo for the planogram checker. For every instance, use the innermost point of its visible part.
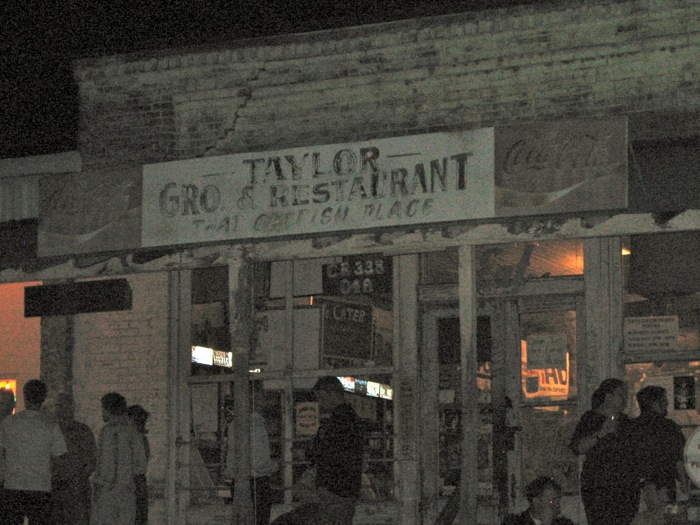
(307, 418)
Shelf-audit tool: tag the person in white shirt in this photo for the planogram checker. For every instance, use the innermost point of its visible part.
(121, 457)
(261, 465)
(30, 439)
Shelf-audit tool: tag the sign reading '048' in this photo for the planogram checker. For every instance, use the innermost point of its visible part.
(364, 275)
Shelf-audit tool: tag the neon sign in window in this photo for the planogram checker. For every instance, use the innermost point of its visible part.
(367, 388)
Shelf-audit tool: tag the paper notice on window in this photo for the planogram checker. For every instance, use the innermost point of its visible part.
(546, 351)
(648, 335)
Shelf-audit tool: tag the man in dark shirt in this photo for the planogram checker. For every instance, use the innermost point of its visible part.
(71, 492)
(659, 443)
(337, 452)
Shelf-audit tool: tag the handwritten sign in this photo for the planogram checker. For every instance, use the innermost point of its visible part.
(347, 330)
(651, 334)
(386, 182)
(546, 351)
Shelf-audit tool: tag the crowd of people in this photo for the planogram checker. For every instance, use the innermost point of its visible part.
(627, 458)
(54, 471)
(625, 461)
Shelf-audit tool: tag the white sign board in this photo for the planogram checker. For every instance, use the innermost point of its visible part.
(546, 351)
(645, 335)
(401, 181)
(307, 418)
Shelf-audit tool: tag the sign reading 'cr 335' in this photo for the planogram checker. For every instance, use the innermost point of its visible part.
(359, 275)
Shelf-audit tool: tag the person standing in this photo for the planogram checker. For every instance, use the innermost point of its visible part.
(30, 439)
(337, 452)
(609, 485)
(138, 417)
(7, 406)
(71, 492)
(120, 458)
(261, 464)
(659, 443)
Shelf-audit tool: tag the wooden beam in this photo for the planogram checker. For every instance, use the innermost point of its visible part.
(522, 229)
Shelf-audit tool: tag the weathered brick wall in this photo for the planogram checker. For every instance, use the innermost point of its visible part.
(127, 352)
(637, 57)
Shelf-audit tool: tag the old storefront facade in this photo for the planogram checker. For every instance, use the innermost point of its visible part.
(434, 210)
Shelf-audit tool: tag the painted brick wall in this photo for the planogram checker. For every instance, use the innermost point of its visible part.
(637, 57)
(126, 352)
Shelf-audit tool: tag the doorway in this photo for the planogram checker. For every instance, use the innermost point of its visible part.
(526, 384)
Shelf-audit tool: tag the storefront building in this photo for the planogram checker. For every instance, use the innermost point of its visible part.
(472, 219)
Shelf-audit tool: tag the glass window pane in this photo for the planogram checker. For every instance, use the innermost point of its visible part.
(342, 314)
(372, 399)
(505, 263)
(548, 356)
(212, 414)
(548, 408)
(681, 379)
(661, 295)
(210, 331)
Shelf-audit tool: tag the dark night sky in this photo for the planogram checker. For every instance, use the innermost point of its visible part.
(38, 40)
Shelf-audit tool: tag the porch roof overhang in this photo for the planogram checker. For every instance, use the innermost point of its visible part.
(394, 242)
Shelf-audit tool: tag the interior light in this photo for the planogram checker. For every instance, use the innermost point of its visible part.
(626, 251)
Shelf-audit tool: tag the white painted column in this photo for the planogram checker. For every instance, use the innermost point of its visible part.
(240, 310)
(603, 314)
(468, 393)
(405, 300)
(177, 471)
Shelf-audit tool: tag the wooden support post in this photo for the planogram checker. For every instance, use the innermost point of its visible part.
(177, 475)
(241, 327)
(57, 348)
(468, 394)
(603, 313)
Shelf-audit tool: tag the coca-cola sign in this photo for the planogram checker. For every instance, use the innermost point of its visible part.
(564, 166)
